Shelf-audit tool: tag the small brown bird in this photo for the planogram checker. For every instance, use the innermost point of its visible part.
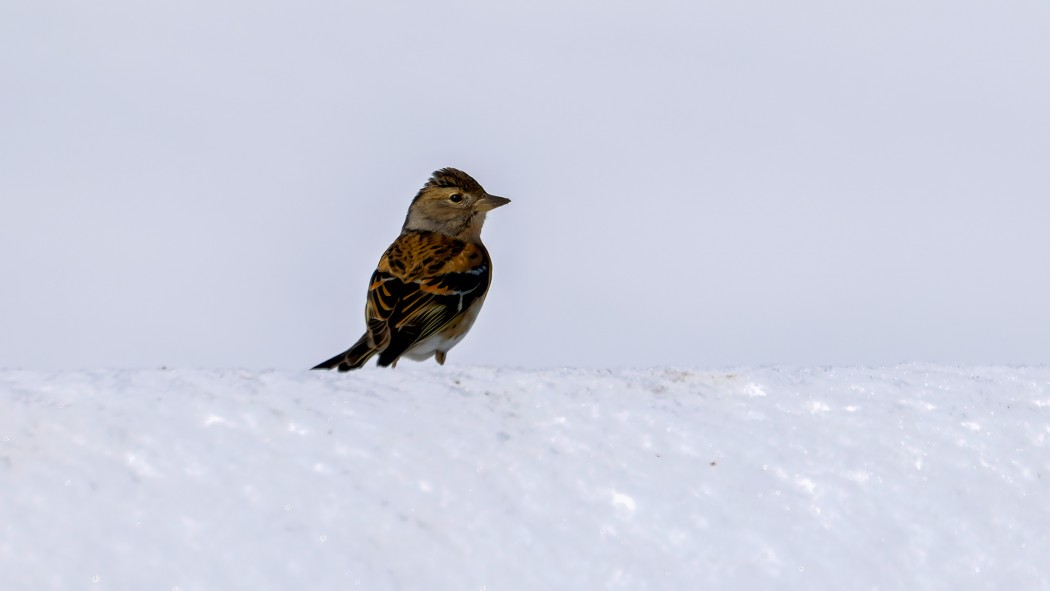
(430, 284)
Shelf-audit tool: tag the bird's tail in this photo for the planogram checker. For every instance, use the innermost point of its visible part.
(352, 358)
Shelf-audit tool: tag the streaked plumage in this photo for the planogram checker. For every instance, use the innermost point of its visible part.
(431, 282)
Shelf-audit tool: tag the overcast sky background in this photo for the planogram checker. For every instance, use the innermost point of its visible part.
(210, 184)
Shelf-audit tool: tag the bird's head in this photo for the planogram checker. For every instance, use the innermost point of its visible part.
(452, 203)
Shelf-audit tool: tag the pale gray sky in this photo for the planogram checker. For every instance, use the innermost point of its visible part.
(694, 183)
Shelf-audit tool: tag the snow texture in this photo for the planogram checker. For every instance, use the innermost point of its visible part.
(910, 477)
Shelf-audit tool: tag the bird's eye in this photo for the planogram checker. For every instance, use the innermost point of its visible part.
(455, 198)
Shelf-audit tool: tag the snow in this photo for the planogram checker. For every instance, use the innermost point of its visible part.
(426, 477)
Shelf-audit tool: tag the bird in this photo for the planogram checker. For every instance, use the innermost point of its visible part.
(429, 285)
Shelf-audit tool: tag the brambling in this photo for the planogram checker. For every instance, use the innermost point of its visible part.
(430, 284)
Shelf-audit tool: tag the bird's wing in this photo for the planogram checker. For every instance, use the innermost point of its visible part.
(423, 282)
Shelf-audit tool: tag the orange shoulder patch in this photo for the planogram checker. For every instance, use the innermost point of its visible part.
(415, 256)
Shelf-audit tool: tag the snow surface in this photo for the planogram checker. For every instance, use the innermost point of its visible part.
(910, 477)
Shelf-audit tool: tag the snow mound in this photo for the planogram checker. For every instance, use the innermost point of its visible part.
(912, 477)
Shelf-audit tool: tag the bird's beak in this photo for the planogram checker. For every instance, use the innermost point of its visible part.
(489, 202)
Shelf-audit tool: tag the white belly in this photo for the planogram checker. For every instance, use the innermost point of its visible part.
(448, 338)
